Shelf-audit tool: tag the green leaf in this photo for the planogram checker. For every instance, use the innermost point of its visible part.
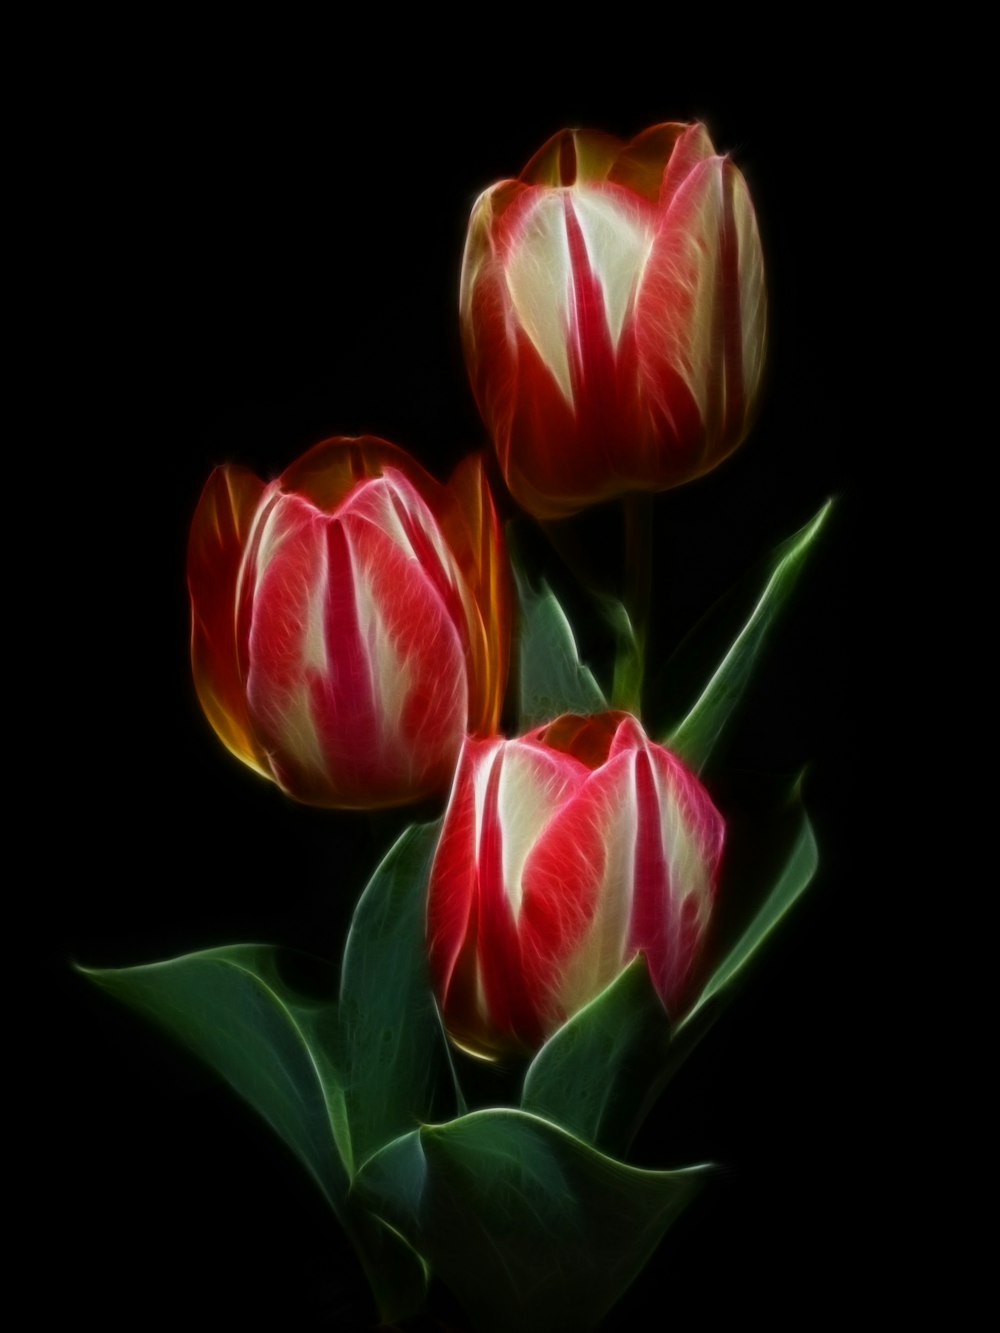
(552, 678)
(626, 688)
(696, 736)
(392, 1049)
(596, 1076)
(786, 874)
(233, 1009)
(800, 865)
(530, 1227)
(396, 1271)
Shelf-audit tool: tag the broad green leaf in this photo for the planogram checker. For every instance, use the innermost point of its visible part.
(530, 1227)
(392, 1049)
(233, 1009)
(597, 1074)
(552, 679)
(696, 736)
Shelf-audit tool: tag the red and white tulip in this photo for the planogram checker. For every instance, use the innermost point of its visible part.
(563, 854)
(350, 621)
(613, 313)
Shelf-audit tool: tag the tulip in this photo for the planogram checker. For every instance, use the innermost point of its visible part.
(350, 621)
(613, 315)
(564, 854)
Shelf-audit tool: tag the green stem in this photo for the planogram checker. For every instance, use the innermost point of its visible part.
(637, 596)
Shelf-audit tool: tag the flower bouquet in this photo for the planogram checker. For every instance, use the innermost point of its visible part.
(460, 679)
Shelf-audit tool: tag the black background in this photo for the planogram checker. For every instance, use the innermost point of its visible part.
(258, 255)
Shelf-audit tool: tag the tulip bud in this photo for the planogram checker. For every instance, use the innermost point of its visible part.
(563, 854)
(350, 621)
(613, 315)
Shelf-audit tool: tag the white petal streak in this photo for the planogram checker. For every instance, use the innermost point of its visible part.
(314, 653)
(539, 280)
(618, 246)
(694, 220)
(532, 788)
(297, 729)
(690, 874)
(601, 952)
(276, 516)
(389, 673)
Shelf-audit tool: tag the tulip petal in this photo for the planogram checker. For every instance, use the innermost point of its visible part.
(452, 900)
(619, 235)
(691, 148)
(577, 895)
(526, 787)
(640, 164)
(539, 278)
(327, 473)
(219, 532)
(677, 856)
(571, 156)
(294, 566)
(472, 530)
(751, 315)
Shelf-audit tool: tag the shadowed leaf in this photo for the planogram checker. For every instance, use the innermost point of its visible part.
(695, 737)
(392, 1048)
(552, 679)
(232, 1008)
(531, 1228)
(800, 865)
(595, 1076)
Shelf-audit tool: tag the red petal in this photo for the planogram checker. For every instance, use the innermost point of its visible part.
(527, 785)
(640, 164)
(219, 533)
(577, 895)
(678, 849)
(571, 156)
(588, 739)
(473, 532)
(452, 910)
(328, 472)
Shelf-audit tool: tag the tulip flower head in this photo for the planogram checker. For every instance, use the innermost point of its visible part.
(613, 315)
(563, 854)
(350, 621)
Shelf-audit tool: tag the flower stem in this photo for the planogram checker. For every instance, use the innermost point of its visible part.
(630, 661)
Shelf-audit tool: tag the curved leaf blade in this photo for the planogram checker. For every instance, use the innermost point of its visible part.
(552, 679)
(697, 735)
(800, 866)
(231, 1008)
(530, 1227)
(596, 1076)
(629, 664)
(392, 1048)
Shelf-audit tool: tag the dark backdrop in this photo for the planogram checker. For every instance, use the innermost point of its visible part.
(256, 258)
